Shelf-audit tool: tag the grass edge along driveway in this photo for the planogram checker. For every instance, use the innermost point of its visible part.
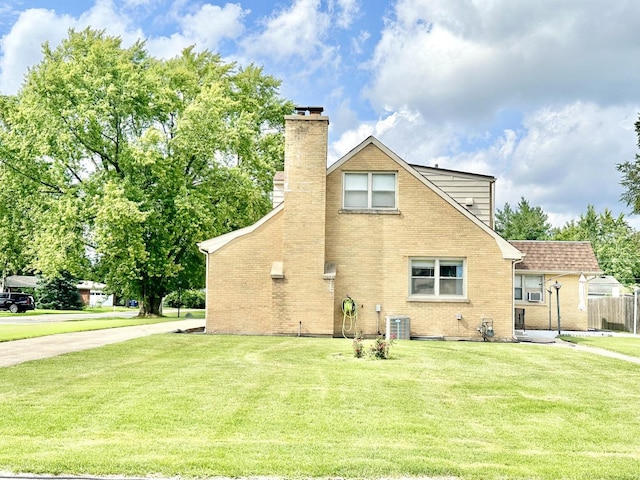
(9, 332)
(204, 406)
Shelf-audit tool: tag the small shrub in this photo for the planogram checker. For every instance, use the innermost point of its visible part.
(358, 346)
(380, 348)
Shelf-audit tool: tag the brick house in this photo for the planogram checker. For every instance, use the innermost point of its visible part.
(571, 265)
(371, 228)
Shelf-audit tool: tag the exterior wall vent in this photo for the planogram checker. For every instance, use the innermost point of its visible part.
(398, 327)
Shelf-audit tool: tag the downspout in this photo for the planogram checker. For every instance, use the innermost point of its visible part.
(513, 297)
(206, 287)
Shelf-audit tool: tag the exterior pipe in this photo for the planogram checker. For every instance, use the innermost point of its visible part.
(513, 297)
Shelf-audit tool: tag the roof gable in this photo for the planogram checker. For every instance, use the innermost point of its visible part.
(216, 243)
(508, 251)
(557, 256)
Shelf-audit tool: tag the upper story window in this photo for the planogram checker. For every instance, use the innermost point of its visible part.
(369, 191)
(437, 277)
(528, 288)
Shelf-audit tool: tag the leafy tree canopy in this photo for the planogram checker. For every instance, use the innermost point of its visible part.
(615, 244)
(523, 223)
(131, 160)
(631, 178)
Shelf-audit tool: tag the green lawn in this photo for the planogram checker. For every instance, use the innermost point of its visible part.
(626, 345)
(20, 331)
(203, 406)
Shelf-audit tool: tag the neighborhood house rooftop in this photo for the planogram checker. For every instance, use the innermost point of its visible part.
(557, 256)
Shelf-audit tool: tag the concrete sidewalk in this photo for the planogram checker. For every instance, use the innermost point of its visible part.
(19, 351)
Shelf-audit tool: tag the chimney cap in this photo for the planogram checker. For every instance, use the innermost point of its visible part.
(312, 110)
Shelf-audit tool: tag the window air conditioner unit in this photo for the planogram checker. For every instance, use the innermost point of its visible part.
(534, 296)
(398, 327)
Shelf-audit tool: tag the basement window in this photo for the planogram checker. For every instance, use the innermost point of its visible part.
(369, 191)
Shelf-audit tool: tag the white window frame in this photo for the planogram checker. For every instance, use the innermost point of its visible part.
(437, 278)
(535, 284)
(370, 191)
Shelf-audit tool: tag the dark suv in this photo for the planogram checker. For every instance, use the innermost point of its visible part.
(16, 302)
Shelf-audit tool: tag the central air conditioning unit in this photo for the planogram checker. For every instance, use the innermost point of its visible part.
(398, 327)
(534, 296)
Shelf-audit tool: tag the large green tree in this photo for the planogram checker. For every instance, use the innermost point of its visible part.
(615, 244)
(16, 224)
(132, 160)
(631, 178)
(522, 223)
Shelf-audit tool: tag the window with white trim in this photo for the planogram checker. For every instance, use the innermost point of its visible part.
(437, 277)
(369, 190)
(528, 288)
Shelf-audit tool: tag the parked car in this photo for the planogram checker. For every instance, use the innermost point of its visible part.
(16, 302)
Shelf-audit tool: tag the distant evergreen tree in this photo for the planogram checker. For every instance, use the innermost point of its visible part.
(523, 223)
(59, 293)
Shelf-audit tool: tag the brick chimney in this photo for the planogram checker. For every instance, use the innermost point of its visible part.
(305, 180)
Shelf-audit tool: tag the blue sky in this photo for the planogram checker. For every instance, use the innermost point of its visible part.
(541, 94)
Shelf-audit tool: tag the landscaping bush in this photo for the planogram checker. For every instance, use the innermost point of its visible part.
(185, 299)
(358, 346)
(379, 349)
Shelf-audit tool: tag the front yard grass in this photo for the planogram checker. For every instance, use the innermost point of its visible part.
(626, 345)
(204, 406)
(10, 332)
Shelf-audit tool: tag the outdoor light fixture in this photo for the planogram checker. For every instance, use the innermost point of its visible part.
(557, 286)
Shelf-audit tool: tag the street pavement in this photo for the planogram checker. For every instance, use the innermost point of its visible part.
(19, 351)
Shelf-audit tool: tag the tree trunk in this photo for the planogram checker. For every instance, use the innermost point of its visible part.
(151, 306)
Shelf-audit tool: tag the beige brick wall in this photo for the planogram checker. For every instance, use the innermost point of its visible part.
(239, 284)
(571, 318)
(372, 253)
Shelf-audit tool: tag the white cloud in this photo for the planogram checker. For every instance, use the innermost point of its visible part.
(347, 11)
(22, 46)
(567, 158)
(299, 31)
(212, 23)
(461, 60)
(205, 28)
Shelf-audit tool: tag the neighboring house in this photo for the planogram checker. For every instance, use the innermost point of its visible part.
(607, 286)
(370, 227)
(16, 283)
(90, 292)
(546, 265)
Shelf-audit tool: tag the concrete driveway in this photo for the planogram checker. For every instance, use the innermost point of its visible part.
(19, 351)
